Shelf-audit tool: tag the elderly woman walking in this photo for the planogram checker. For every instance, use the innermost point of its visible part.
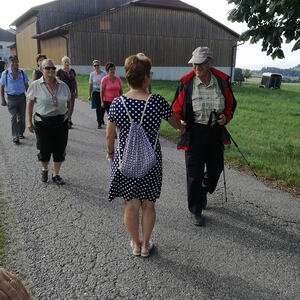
(68, 76)
(94, 92)
(51, 98)
(111, 86)
(138, 193)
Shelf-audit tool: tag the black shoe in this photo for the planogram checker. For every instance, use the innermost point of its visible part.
(198, 219)
(21, 137)
(69, 125)
(44, 175)
(16, 140)
(70, 122)
(204, 200)
(99, 127)
(57, 180)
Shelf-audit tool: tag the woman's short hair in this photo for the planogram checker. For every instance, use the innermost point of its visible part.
(39, 56)
(65, 58)
(109, 65)
(96, 61)
(47, 60)
(136, 68)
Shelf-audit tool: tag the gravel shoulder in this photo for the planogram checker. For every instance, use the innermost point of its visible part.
(69, 242)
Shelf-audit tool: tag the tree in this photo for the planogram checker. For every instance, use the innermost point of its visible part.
(269, 20)
(238, 75)
(247, 73)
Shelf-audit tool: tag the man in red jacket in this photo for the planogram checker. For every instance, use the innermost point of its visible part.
(205, 103)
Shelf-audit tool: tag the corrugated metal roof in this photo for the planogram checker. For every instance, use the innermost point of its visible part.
(165, 3)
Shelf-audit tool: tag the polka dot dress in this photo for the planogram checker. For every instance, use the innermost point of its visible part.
(148, 187)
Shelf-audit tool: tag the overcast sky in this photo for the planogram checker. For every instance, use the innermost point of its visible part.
(248, 56)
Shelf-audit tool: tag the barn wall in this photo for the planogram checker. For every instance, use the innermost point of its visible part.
(168, 36)
(55, 48)
(27, 47)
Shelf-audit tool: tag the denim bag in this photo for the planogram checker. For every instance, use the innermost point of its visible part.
(139, 156)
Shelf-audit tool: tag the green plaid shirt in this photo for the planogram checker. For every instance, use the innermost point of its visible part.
(206, 99)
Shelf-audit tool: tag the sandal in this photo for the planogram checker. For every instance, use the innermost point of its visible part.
(136, 250)
(145, 250)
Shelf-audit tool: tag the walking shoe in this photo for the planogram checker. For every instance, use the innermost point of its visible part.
(44, 175)
(70, 125)
(136, 250)
(146, 250)
(99, 127)
(16, 140)
(198, 219)
(204, 200)
(57, 180)
(21, 137)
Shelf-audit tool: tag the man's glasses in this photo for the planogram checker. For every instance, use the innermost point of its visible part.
(50, 68)
(96, 65)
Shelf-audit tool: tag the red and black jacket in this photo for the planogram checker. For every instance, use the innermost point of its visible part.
(182, 103)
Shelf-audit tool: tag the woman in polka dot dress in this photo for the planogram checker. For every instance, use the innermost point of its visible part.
(138, 193)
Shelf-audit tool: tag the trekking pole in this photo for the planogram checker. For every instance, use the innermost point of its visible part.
(236, 145)
(225, 187)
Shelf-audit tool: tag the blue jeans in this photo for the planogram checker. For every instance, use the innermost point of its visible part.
(17, 108)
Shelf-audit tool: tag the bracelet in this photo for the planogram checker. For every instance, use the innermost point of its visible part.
(110, 153)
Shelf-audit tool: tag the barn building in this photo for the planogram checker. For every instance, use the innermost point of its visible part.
(165, 30)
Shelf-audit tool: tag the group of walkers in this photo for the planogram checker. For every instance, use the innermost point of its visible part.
(203, 104)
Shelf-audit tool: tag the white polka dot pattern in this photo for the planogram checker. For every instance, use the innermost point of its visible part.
(148, 187)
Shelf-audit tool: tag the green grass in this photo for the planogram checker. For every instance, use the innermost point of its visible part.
(266, 126)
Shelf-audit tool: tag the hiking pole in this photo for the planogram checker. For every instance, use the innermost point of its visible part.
(225, 187)
(226, 132)
(236, 145)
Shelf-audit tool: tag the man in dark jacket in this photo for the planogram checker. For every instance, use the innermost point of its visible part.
(205, 103)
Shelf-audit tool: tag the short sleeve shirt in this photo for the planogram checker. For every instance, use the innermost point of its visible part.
(14, 86)
(205, 99)
(95, 79)
(112, 89)
(44, 104)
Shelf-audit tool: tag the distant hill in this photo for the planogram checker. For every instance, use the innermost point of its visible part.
(292, 72)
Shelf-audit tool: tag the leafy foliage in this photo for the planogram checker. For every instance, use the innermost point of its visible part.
(238, 75)
(269, 21)
(247, 73)
(284, 72)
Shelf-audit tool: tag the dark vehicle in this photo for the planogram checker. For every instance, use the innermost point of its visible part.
(271, 80)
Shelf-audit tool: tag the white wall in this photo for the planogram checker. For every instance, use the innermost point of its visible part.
(159, 73)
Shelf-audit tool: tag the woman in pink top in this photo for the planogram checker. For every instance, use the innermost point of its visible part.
(111, 86)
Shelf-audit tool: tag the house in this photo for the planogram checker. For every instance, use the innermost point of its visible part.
(6, 40)
(165, 30)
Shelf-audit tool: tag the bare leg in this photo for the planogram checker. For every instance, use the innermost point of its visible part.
(57, 166)
(148, 220)
(45, 164)
(131, 219)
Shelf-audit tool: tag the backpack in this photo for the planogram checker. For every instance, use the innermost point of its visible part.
(139, 156)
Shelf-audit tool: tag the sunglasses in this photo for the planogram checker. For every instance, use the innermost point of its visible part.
(96, 65)
(50, 68)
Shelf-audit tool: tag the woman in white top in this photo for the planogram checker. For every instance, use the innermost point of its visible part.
(51, 98)
(94, 92)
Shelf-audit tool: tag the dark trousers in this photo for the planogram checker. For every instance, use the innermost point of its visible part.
(51, 140)
(17, 109)
(100, 111)
(205, 152)
(107, 106)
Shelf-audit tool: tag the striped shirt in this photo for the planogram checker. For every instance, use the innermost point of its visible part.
(205, 99)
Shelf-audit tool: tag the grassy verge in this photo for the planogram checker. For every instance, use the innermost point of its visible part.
(266, 127)
(2, 235)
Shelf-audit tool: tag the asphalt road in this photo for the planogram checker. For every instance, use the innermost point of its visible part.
(69, 242)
